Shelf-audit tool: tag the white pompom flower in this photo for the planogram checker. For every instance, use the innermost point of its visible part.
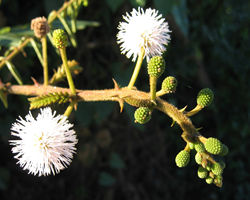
(45, 145)
(143, 29)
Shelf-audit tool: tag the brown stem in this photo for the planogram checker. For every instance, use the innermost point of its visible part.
(116, 94)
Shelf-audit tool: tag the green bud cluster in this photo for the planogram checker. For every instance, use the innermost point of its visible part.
(142, 115)
(205, 97)
(60, 39)
(156, 66)
(182, 159)
(208, 157)
(169, 84)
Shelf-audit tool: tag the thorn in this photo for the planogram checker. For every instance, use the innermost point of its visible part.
(116, 86)
(75, 106)
(121, 104)
(199, 128)
(183, 109)
(173, 122)
(153, 102)
(34, 81)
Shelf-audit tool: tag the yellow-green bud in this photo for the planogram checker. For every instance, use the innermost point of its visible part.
(182, 159)
(142, 115)
(202, 172)
(224, 150)
(213, 146)
(191, 145)
(209, 180)
(217, 169)
(205, 97)
(60, 39)
(198, 158)
(156, 66)
(199, 147)
(169, 84)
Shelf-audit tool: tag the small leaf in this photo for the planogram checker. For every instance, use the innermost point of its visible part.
(14, 72)
(5, 30)
(116, 162)
(60, 74)
(3, 98)
(114, 4)
(45, 100)
(80, 24)
(136, 3)
(106, 179)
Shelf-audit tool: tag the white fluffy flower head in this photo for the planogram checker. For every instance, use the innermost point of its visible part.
(143, 29)
(46, 144)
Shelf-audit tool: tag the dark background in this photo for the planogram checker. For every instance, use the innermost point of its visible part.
(117, 159)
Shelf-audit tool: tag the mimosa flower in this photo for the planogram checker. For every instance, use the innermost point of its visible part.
(45, 145)
(143, 29)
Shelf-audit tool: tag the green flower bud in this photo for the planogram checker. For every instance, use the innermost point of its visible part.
(169, 84)
(222, 164)
(202, 172)
(205, 97)
(198, 158)
(191, 145)
(199, 147)
(209, 180)
(218, 180)
(60, 39)
(142, 115)
(217, 169)
(156, 66)
(182, 159)
(213, 146)
(224, 150)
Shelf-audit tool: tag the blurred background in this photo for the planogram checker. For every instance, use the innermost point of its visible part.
(117, 159)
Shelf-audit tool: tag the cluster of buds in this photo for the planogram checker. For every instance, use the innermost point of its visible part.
(209, 153)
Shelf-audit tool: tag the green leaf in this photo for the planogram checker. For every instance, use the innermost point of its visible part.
(9, 40)
(136, 3)
(80, 24)
(114, 4)
(179, 12)
(5, 30)
(116, 161)
(3, 98)
(165, 7)
(106, 179)
(45, 100)
(14, 72)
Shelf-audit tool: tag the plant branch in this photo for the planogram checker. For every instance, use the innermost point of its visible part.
(117, 94)
(15, 52)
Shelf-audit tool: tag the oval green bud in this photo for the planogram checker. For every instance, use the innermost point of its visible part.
(209, 180)
(199, 147)
(142, 115)
(213, 146)
(202, 172)
(217, 169)
(224, 150)
(156, 66)
(60, 39)
(191, 145)
(182, 159)
(205, 97)
(169, 84)
(198, 158)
